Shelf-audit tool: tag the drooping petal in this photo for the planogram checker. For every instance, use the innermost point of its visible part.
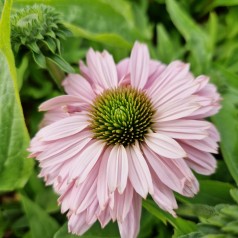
(77, 223)
(56, 148)
(79, 197)
(174, 173)
(102, 187)
(117, 169)
(83, 164)
(122, 204)
(104, 217)
(139, 173)
(164, 146)
(68, 154)
(139, 65)
(129, 228)
(200, 161)
(163, 195)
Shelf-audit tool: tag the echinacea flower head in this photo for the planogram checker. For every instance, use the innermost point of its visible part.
(123, 131)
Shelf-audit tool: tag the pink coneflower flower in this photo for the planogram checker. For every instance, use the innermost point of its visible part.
(125, 131)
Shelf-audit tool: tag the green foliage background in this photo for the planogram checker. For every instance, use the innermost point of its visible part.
(203, 33)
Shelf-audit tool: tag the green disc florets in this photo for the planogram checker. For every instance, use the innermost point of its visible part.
(38, 28)
(121, 116)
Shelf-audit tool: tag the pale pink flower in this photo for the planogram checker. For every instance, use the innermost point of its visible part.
(125, 131)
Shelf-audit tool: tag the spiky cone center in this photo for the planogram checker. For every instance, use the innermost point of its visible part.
(121, 116)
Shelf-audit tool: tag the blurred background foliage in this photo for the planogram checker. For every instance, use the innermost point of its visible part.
(203, 33)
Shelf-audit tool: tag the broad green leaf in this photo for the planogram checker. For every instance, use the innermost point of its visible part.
(167, 46)
(211, 193)
(181, 226)
(41, 224)
(226, 120)
(234, 194)
(227, 123)
(110, 231)
(197, 41)
(220, 3)
(106, 38)
(195, 210)
(15, 169)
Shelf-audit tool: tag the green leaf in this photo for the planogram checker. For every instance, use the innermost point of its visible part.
(234, 194)
(60, 62)
(211, 193)
(15, 169)
(106, 38)
(167, 47)
(110, 231)
(227, 123)
(231, 227)
(197, 41)
(195, 210)
(219, 3)
(181, 226)
(41, 224)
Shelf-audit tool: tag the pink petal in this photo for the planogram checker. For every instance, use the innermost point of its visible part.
(102, 69)
(92, 212)
(203, 81)
(173, 173)
(56, 147)
(155, 69)
(77, 223)
(79, 197)
(163, 195)
(123, 68)
(139, 173)
(176, 91)
(78, 86)
(183, 129)
(53, 116)
(207, 145)
(102, 188)
(173, 73)
(139, 65)
(104, 217)
(129, 228)
(63, 128)
(117, 169)
(60, 101)
(68, 154)
(200, 161)
(85, 71)
(176, 110)
(122, 204)
(85, 161)
(164, 146)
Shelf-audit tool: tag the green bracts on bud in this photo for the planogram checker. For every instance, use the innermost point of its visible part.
(39, 29)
